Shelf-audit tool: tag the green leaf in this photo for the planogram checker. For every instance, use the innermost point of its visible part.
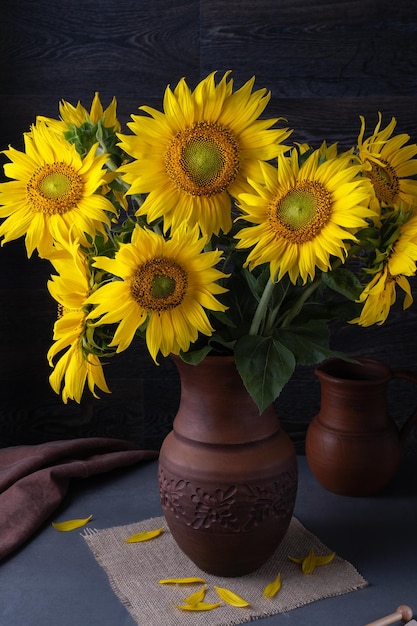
(193, 357)
(344, 282)
(265, 366)
(223, 318)
(309, 343)
(256, 283)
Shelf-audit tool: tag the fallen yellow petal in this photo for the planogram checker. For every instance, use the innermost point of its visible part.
(325, 560)
(311, 561)
(201, 606)
(197, 597)
(180, 581)
(71, 524)
(297, 560)
(230, 597)
(144, 536)
(272, 589)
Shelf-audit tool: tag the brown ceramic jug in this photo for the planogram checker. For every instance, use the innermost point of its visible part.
(353, 447)
(227, 475)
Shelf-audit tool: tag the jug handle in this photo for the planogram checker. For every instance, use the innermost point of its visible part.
(412, 420)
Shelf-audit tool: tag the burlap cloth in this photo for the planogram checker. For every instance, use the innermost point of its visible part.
(134, 570)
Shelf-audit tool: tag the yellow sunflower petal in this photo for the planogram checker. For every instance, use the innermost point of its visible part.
(230, 597)
(57, 185)
(200, 147)
(144, 536)
(311, 561)
(197, 596)
(181, 581)
(299, 219)
(166, 287)
(273, 587)
(71, 524)
(200, 606)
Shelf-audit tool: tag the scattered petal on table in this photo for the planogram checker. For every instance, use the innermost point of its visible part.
(180, 581)
(144, 536)
(201, 606)
(272, 589)
(197, 597)
(71, 524)
(230, 597)
(311, 561)
(325, 560)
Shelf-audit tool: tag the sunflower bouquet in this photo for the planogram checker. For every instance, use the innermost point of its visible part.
(205, 232)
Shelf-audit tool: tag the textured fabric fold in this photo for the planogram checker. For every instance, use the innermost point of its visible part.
(35, 479)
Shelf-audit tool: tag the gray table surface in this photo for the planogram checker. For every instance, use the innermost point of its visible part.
(54, 579)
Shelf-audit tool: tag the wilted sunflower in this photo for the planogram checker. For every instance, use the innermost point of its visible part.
(200, 150)
(303, 214)
(389, 163)
(54, 190)
(381, 292)
(165, 287)
(75, 365)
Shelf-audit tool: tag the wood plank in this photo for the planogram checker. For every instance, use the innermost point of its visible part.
(306, 49)
(325, 63)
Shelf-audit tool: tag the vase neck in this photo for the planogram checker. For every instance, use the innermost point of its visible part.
(215, 405)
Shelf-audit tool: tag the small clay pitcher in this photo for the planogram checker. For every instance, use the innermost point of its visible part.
(353, 447)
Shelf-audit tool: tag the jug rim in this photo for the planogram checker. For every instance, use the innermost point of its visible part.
(338, 369)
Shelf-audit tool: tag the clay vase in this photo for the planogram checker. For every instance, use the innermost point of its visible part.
(353, 447)
(227, 475)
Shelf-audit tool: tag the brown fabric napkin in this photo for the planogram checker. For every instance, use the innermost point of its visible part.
(35, 479)
(134, 569)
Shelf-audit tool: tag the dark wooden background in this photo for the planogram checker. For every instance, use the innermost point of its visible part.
(326, 63)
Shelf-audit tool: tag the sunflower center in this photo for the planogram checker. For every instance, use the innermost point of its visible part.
(301, 213)
(385, 182)
(203, 160)
(159, 284)
(55, 189)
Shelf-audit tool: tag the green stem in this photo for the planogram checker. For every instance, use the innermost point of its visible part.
(261, 308)
(273, 313)
(298, 305)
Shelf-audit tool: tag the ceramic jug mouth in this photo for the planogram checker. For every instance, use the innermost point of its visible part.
(361, 370)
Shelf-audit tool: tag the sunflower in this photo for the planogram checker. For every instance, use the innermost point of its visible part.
(380, 293)
(165, 287)
(200, 150)
(389, 162)
(78, 115)
(303, 214)
(379, 296)
(76, 365)
(54, 190)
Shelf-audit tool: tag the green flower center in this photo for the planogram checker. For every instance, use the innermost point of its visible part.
(301, 214)
(159, 284)
(55, 185)
(162, 286)
(55, 188)
(203, 160)
(385, 182)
